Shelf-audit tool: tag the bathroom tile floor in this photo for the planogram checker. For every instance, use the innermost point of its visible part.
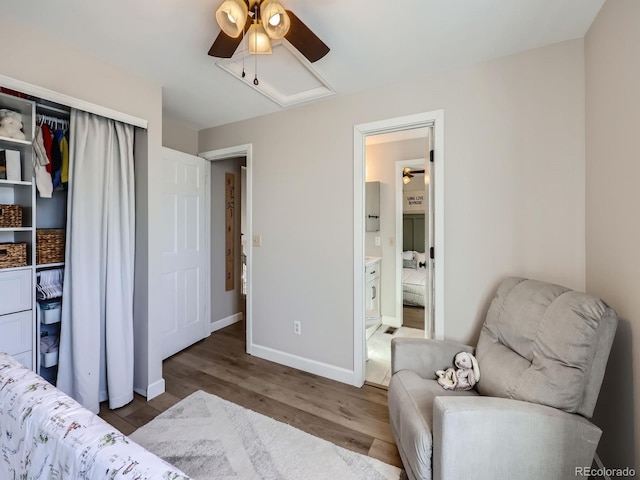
(379, 346)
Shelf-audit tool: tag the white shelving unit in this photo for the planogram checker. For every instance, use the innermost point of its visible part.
(17, 295)
(23, 319)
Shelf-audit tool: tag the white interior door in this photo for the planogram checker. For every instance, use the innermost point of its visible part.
(185, 255)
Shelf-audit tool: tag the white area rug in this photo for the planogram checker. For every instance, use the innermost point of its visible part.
(210, 438)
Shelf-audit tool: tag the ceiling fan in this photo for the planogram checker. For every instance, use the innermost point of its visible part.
(262, 21)
(407, 174)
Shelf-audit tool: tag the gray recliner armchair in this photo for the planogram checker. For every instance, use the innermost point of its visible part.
(542, 354)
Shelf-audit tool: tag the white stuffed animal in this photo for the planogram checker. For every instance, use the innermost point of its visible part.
(464, 376)
(4, 112)
(11, 127)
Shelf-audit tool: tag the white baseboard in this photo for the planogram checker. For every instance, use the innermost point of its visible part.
(153, 390)
(225, 322)
(311, 366)
(391, 321)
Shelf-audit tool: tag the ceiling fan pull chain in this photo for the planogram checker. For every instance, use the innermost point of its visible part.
(255, 79)
(255, 41)
(243, 54)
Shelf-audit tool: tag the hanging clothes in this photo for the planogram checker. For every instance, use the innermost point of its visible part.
(40, 163)
(64, 149)
(47, 138)
(56, 158)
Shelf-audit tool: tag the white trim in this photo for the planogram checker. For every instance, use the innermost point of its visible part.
(234, 67)
(245, 150)
(228, 152)
(435, 118)
(359, 329)
(225, 322)
(438, 211)
(153, 390)
(391, 321)
(207, 248)
(61, 98)
(311, 366)
(397, 179)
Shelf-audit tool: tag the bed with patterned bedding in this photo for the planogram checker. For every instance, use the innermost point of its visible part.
(414, 278)
(46, 435)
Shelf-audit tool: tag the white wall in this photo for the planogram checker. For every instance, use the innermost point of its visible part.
(380, 162)
(514, 194)
(28, 57)
(613, 230)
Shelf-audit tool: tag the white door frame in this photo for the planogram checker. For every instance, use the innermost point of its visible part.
(397, 175)
(222, 154)
(360, 132)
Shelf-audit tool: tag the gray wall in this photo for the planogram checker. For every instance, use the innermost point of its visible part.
(224, 303)
(178, 135)
(513, 188)
(612, 226)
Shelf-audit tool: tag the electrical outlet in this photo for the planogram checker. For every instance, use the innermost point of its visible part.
(377, 241)
(297, 329)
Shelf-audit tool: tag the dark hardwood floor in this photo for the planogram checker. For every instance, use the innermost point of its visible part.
(413, 317)
(354, 418)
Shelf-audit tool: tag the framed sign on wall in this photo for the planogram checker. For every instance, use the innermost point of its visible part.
(230, 230)
(413, 201)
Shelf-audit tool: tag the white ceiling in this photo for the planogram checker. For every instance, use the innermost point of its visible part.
(373, 42)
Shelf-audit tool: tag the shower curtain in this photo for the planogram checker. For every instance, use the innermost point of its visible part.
(96, 337)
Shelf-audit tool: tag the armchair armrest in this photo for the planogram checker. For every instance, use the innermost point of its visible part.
(487, 438)
(424, 356)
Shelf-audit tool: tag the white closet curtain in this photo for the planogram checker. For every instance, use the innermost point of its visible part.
(96, 338)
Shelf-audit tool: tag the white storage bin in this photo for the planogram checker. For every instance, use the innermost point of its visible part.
(50, 313)
(49, 359)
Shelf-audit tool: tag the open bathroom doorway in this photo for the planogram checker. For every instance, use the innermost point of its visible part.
(386, 315)
(377, 148)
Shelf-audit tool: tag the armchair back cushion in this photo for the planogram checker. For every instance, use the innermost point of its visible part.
(545, 344)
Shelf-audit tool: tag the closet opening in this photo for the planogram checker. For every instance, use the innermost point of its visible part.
(63, 187)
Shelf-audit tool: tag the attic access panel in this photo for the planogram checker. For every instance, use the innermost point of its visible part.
(285, 76)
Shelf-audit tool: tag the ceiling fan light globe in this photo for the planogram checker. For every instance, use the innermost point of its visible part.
(258, 41)
(231, 17)
(275, 19)
(406, 179)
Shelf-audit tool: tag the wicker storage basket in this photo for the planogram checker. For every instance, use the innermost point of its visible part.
(10, 216)
(49, 245)
(13, 255)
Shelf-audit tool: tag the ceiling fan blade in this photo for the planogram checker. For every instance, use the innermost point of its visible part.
(305, 41)
(225, 46)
